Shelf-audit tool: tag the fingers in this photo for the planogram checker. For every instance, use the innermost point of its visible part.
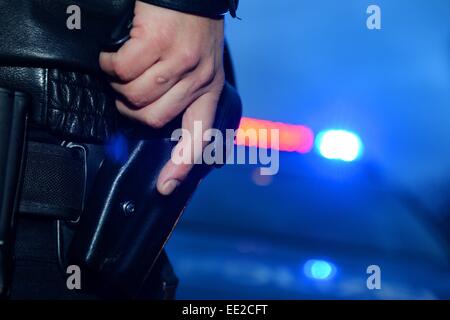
(173, 102)
(198, 118)
(132, 59)
(173, 61)
(157, 115)
(152, 84)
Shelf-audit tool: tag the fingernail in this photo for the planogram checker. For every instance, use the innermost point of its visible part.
(169, 186)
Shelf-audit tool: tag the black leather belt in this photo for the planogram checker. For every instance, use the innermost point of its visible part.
(70, 104)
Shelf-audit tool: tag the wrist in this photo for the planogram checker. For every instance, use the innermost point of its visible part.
(206, 8)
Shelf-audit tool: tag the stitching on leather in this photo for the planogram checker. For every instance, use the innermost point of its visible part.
(44, 112)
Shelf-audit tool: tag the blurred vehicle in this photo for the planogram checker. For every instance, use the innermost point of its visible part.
(312, 230)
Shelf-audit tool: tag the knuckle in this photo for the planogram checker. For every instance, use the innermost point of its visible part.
(206, 76)
(137, 99)
(138, 31)
(121, 69)
(158, 42)
(189, 58)
(192, 86)
(154, 121)
(153, 41)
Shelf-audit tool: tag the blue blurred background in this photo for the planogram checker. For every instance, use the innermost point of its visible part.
(312, 230)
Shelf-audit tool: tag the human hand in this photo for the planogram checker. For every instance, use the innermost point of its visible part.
(172, 64)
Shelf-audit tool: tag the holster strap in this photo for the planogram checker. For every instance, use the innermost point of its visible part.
(54, 181)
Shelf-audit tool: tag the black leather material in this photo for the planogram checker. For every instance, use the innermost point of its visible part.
(38, 55)
(74, 105)
(117, 248)
(38, 274)
(13, 108)
(72, 100)
(34, 32)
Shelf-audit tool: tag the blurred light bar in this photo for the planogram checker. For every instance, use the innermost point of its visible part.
(293, 138)
(319, 269)
(339, 145)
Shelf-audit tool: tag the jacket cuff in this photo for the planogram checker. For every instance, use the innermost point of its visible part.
(204, 8)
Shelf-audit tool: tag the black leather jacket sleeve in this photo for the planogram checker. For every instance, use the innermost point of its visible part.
(205, 8)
